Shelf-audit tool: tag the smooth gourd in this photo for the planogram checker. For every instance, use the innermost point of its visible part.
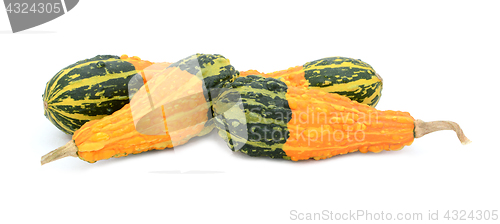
(93, 88)
(345, 76)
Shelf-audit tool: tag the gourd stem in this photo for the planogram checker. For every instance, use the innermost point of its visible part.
(69, 149)
(422, 128)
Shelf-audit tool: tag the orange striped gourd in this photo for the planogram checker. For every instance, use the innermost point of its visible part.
(265, 117)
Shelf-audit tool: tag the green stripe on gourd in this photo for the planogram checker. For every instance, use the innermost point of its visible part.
(252, 116)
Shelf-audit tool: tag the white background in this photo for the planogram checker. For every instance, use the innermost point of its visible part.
(439, 61)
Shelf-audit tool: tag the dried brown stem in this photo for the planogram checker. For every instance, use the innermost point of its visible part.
(69, 149)
(422, 128)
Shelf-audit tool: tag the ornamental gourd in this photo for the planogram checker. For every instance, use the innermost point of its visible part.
(168, 110)
(94, 88)
(264, 117)
(348, 77)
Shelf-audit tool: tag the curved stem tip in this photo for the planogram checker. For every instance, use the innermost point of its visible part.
(422, 128)
(69, 149)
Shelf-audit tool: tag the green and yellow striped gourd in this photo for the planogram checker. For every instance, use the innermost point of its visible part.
(93, 88)
(348, 77)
